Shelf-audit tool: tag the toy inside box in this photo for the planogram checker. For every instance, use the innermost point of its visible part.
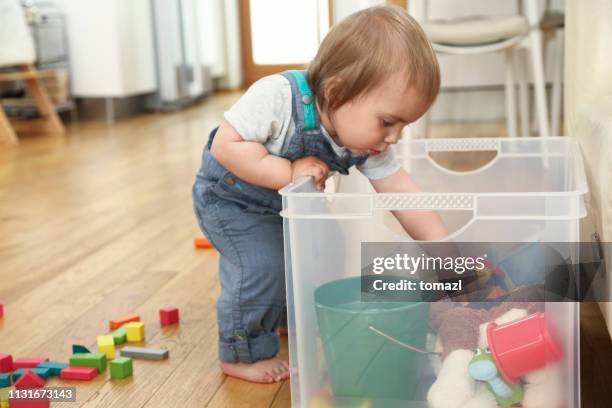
(347, 351)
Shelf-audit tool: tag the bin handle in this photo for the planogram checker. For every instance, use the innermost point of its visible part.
(402, 344)
(424, 201)
(463, 145)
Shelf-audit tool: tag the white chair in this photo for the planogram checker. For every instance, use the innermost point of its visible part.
(553, 27)
(487, 34)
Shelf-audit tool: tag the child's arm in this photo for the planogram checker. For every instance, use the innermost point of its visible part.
(420, 225)
(251, 162)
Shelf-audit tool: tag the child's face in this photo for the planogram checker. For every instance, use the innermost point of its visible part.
(370, 123)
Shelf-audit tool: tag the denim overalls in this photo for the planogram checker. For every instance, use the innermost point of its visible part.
(242, 221)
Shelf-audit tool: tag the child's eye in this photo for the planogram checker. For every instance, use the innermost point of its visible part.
(386, 123)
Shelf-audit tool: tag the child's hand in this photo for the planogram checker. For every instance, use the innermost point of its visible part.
(310, 166)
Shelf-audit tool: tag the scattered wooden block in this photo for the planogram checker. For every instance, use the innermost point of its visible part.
(6, 363)
(29, 380)
(79, 373)
(29, 403)
(120, 335)
(5, 380)
(4, 395)
(106, 345)
(202, 243)
(120, 321)
(77, 348)
(54, 368)
(168, 315)
(28, 362)
(41, 372)
(1, 310)
(97, 360)
(135, 332)
(145, 353)
(121, 367)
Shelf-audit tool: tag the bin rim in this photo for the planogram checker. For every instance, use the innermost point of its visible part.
(487, 144)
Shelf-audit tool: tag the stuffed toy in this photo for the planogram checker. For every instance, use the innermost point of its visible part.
(466, 378)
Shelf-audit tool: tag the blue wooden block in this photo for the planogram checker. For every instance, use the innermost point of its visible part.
(77, 348)
(5, 380)
(41, 372)
(54, 368)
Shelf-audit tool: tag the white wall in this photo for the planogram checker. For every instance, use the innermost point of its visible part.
(219, 26)
(111, 47)
(589, 112)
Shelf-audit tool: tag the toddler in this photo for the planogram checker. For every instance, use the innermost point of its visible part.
(374, 73)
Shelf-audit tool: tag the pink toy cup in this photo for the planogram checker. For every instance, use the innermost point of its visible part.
(522, 346)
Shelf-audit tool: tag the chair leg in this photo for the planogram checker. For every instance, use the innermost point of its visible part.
(521, 71)
(555, 117)
(537, 65)
(43, 102)
(510, 97)
(7, 134)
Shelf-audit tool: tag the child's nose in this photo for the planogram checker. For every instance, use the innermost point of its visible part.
(392, 138)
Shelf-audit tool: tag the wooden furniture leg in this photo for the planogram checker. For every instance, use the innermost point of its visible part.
(51, 121)
(7, 134)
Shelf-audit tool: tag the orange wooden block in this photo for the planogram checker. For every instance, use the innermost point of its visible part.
(202, 243)
(117, 323)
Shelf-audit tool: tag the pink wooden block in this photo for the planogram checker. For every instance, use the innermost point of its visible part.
(168, 315)
(6, 363)
(25, 403)
(28, 362)
(79, 373)
(29, 379)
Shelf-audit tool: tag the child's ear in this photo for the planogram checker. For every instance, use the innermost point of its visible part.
(331, 92)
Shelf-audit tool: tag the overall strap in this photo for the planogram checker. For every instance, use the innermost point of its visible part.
(303, 100)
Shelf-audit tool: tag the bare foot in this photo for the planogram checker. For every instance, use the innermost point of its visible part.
(263, 371)
(282, 330)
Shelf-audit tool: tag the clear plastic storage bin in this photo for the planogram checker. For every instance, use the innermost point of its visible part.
(531, 190)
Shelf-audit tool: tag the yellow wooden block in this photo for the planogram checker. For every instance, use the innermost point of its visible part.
(4, 404)
(135, 331)
(4, 395)
(106, 345)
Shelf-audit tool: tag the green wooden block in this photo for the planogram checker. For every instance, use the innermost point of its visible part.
(5, 380)
(41, 372)
(119, 335)
(54, 368)
(121, 367)
(97, 360)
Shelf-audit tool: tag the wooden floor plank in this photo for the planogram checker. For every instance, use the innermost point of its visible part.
(86, 283)
(198, 293)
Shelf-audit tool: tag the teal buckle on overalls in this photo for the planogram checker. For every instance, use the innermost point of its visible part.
(307, 98)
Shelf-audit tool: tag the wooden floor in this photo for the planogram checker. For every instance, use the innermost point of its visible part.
(99, 224)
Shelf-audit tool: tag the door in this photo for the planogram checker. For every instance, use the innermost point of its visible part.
(281, 35)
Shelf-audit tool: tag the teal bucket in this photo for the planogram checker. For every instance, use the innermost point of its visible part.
(362, 363)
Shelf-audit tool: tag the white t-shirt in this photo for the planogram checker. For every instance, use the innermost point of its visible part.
(263, 114)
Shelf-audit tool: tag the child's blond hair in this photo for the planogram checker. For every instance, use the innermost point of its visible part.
(368, 47)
